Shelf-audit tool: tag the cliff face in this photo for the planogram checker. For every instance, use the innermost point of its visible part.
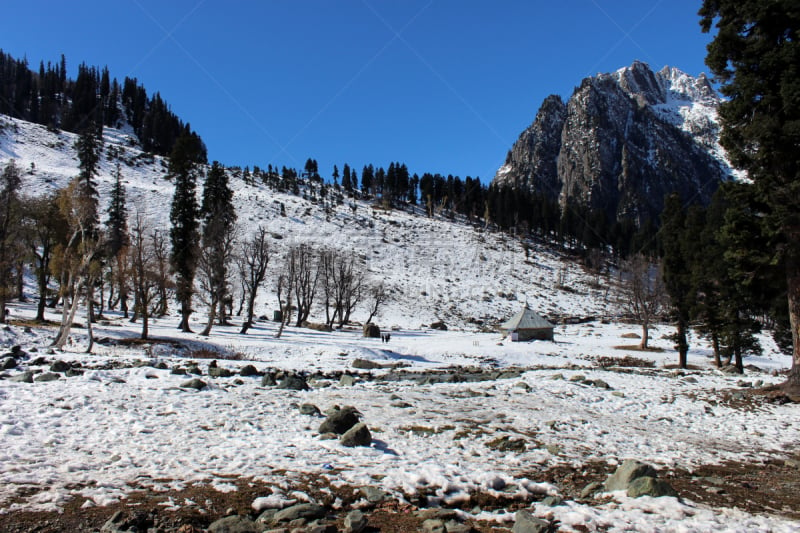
(622, 142)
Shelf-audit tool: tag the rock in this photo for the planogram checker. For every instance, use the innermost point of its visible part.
(553, 449)
(25, 377)
(59, 366)
(39, 361)
(355, 522)
(578, 378)
(293, 382)
(365, 364)
(522, 385)
(650, 486)
(599, 383)
(626, 473)
(121, 522)
(195, 370)
(372, 331)
(689, 379)
(441, 326)
(525, 522)
(433, 525)
(373, 494)
(197, 384)
(347, 380)
(72, 372)
(309, 409)
(234, 524)
(219, 372)
(590, 489)
(792, 463)
(730, 369)
(306, 511)
(618, 394)
(451, 526)
(178, 371)
(268, 380)
(552, 501)
(16, 350)
(507, 444)
(8, 363)
(47, 376)
(340, 421)
(248, 370)
(357, 435)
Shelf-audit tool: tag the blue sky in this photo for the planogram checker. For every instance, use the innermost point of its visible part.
(443, 85)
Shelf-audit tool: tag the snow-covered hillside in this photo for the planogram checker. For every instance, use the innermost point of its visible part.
(434, 269)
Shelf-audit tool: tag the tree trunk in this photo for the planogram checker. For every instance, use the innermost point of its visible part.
(683, 345)
(793, 295)
(185, 312)
(21, 281)
(715, 346)
(67, 317)
(212, 313)
(144, 324)
(251, 304)
(645, 335)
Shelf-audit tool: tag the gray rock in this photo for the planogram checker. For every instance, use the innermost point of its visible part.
(525, 522)
(39, 361)
(355, 522)
(451, 526)
(365, 364)
(591, 489)
(433, 525)
(552, 501)
(219, 372)
(578, 378)
(306, 511)
(59, 366)
(599, 383)
(792, 463)
(178, 371)
(373, 494)
(293, 382)
(357, 435)
(25, 377)
(234, 524)
(340, 421)
(268, 380)
(248, 370)
(194, 369)
(730, 369)
(650, 486)
(522, 385)
(8, 363)
(689, 379)
(47, 376)
(347, 380)
(626, 473)
(196, 383)
(72, 372)
(309, 409)
(507, 444)
(618, 394)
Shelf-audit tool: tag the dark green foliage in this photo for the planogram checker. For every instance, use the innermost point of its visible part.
(89, 146)
(183, 217)
(755, 54)
(9, 229)
(117, 221)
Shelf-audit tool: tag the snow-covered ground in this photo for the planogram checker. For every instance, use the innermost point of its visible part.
(124, 423)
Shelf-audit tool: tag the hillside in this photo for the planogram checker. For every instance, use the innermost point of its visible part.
(434, 269)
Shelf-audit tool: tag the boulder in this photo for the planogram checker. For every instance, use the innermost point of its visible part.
(306, 511)
(347, 380)
(355, 522)
(268, 380)
(219, 372)
(47, 376)
(372, 331)
(357, 435)
(340, 421)
(507, 444)
(309, 409)
(197, 384)
(234, 524)
(8, 363)
(365, 364)
(25, 377)
(525, 522)
(60, 366)
(293, 382)
(650, 486)
(441, 326)
(248, 370)
(626, 473)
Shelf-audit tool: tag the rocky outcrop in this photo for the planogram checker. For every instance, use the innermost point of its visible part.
(621, 143)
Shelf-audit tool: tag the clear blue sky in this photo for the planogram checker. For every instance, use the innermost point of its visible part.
(443, 85)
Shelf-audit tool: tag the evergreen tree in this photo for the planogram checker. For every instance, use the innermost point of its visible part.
(9, 230)
(347, 183)
(754, 55)
(117, 221)
(88, 147)
(184, 220)
(219, 218)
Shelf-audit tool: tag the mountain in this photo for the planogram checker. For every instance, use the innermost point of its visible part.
(621, 143)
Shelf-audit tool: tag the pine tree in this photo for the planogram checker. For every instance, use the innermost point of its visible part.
(184, 220)
(88, 147)
(9, 229)
(219, 218)
(117, 240)
(755, 56)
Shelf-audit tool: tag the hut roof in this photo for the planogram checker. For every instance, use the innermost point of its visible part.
(526, 318)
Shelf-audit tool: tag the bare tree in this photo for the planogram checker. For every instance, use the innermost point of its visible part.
(305, 275)
(643, 292)
(376, 297)
(253, 259)
(342, 281)
(283, 286)
(144, 269)
(163, 281)
(213, 274)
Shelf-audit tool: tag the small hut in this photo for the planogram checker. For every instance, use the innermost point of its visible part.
(527, 325)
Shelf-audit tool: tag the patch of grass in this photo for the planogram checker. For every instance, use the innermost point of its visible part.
(637, 348)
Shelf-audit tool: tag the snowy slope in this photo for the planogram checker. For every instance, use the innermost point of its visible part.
(434, 269)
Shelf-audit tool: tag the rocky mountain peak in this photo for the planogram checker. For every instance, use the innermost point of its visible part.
(622, 142)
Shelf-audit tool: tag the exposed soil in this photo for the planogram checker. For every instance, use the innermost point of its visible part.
(771, 487)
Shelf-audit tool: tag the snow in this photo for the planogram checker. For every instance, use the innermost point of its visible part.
(126, 424)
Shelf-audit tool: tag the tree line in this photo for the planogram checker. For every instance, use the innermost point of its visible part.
(93, 99)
